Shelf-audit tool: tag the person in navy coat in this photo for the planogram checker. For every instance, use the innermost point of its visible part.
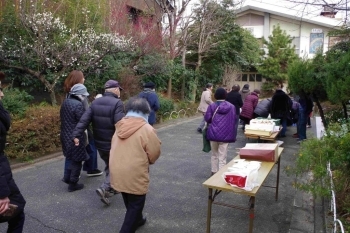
(150, 95)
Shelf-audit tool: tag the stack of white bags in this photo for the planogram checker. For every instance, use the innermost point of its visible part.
(243, 174)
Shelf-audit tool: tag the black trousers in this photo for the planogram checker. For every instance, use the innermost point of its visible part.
(15, 223)
(134, 206)
(75, 170)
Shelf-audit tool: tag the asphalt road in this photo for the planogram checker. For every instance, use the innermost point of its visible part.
(176, 202)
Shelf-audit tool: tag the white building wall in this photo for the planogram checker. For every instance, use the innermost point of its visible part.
(299, 30)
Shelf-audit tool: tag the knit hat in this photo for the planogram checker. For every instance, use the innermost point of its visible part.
(79, 89)
(220, 94)
(149, 85)
(111, 84)
(246, 86)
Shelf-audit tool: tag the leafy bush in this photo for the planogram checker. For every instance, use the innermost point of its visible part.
(166, 107)
(16, 101)
(35, 135)
(314, 155)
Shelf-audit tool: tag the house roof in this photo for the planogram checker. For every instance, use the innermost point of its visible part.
(289, 12)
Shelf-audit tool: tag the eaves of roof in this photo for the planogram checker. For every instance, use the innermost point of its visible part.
(318, 20)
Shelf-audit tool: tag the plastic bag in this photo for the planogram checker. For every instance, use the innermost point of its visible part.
(243, 174)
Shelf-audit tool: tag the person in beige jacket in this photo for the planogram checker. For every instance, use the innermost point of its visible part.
(205, 102)
(135, 146)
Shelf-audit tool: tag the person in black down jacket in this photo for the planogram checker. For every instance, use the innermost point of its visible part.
(280, 108)
(72, 109)
(9, 192)
(235, 98)
(150, 95)
(104, 113)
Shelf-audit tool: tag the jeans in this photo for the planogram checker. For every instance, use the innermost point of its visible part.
(134, 206)
(105, 157)
(302, 119)
(91, 164)
(283, 121)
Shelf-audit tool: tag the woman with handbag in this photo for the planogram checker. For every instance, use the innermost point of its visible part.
(221, 118)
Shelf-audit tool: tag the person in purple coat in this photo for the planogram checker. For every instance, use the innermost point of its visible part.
(221, 118)
(249, 105)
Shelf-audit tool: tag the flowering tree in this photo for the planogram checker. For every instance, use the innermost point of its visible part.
(48, 50)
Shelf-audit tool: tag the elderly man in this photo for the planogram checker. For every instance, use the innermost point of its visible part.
(11, 200)
(135, 146)
(203, 105)
(104, 113)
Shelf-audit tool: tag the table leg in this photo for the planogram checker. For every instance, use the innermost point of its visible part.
(278, 177)
(210, 203)
(251, 213)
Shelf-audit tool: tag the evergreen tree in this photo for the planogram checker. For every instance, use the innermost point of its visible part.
(275, 64)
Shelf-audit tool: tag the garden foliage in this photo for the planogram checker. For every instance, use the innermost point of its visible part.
(35, 135)
(314, 156)
(16, 101)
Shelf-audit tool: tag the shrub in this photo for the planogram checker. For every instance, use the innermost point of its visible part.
(314, 155)
(166, 107)
(16, 101)
(35, 135)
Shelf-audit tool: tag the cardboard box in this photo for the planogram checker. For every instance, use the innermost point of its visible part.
(257, 132)
(260, 152)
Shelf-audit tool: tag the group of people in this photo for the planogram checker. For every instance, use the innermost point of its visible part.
(222, 117)
(122, 135)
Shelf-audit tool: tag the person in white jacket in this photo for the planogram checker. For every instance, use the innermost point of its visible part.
(205, 102)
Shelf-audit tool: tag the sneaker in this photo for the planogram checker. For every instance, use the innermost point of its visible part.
(308, 126)
(94, 172)
(295, 136)
(102, 193)
(111, 192)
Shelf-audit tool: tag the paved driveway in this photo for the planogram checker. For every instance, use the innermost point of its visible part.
(176, 202)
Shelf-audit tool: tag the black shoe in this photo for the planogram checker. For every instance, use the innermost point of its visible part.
(65, 180)
(199, 130)
(95, 172)
(141, 222)
(74, 187)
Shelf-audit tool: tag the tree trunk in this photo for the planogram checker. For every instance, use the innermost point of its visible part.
(53, 98)
(169, 88)
(183, 85)
(194, 90)
(320, 109)
(345, 110)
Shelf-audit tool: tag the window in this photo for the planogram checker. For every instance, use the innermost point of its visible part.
(251, 77)
(244, 77)
(258, 78)
(296, 43)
